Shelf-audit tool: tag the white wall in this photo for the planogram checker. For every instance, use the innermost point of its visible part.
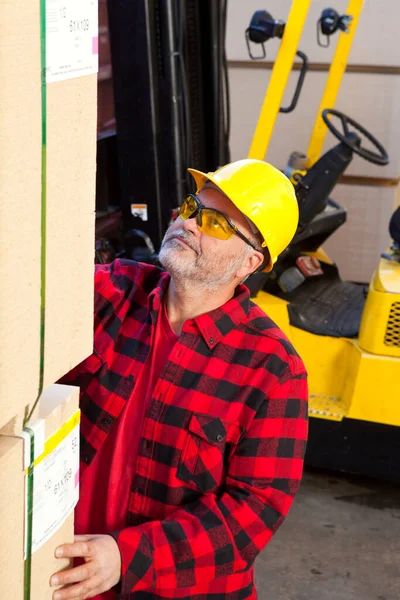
(371, 99)
(357, 245)
(375, 43)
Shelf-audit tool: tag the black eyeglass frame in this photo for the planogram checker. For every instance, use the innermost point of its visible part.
(200, 206)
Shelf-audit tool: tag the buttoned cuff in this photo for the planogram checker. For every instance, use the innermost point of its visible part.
(136, 560)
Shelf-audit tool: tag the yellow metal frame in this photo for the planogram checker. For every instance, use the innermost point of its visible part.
(279, 77)
(336, 72)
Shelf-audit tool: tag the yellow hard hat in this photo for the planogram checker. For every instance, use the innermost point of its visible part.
(264, 195)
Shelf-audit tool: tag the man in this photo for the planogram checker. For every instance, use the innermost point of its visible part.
(194, 405)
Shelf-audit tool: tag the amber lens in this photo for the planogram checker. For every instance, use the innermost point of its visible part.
(214, 224)
(187, 208)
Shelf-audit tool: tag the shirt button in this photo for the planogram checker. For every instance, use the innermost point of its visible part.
(107, 421)
(86, 459)
(220, 437)
(211, 340)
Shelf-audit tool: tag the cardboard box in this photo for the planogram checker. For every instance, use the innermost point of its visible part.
(58, 427)
(70, 200)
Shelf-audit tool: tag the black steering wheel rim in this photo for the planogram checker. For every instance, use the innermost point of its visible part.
(378, 158)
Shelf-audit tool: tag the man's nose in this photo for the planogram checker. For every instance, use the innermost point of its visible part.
(190, 225)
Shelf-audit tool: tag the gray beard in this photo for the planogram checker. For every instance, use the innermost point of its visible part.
(205, 273)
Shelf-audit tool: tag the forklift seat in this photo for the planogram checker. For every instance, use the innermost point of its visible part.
(324, 305)
(312, 235)
(328, 306)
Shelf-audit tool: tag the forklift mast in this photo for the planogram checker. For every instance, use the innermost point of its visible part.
(171, 108)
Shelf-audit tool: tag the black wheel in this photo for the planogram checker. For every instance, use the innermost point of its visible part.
(353, 141)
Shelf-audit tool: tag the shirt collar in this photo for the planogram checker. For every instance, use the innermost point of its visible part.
(215, 324)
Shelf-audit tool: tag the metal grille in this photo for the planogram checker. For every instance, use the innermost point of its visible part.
(392, 335)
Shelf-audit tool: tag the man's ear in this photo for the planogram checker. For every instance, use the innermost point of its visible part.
(256, 260)
(251, 264)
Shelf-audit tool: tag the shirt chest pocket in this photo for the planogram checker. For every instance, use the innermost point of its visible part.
(205, 448)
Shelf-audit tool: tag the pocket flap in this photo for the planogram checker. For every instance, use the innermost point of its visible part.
(210, 429)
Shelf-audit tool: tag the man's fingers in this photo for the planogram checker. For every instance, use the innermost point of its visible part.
(77, 549)
(83, 538)
(75, 575)
(80, 591)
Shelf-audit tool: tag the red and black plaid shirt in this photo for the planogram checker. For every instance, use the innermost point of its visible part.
(222, 443)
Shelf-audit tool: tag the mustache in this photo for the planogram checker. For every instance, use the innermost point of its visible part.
(181, 234)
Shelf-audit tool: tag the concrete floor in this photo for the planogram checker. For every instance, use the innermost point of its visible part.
(341, 541)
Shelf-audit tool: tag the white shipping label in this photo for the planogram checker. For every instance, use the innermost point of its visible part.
(71, 39)
(55, 487)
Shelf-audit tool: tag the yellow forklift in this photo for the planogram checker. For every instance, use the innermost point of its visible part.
(348, 334)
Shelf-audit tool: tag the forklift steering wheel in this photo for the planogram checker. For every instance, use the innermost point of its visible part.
(352, 141)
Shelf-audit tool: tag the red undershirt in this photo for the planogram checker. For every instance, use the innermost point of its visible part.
(105, 486)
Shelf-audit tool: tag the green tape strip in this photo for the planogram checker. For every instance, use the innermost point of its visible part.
(29, 517)
(44, 189)
(29, 486)
(44, 194)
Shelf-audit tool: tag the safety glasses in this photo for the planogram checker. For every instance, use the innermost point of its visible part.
(210, 221)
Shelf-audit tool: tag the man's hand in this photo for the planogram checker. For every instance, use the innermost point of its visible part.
(101, 571)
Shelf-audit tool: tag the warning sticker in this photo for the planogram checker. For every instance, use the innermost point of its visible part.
(140, 211)
(71, 39)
